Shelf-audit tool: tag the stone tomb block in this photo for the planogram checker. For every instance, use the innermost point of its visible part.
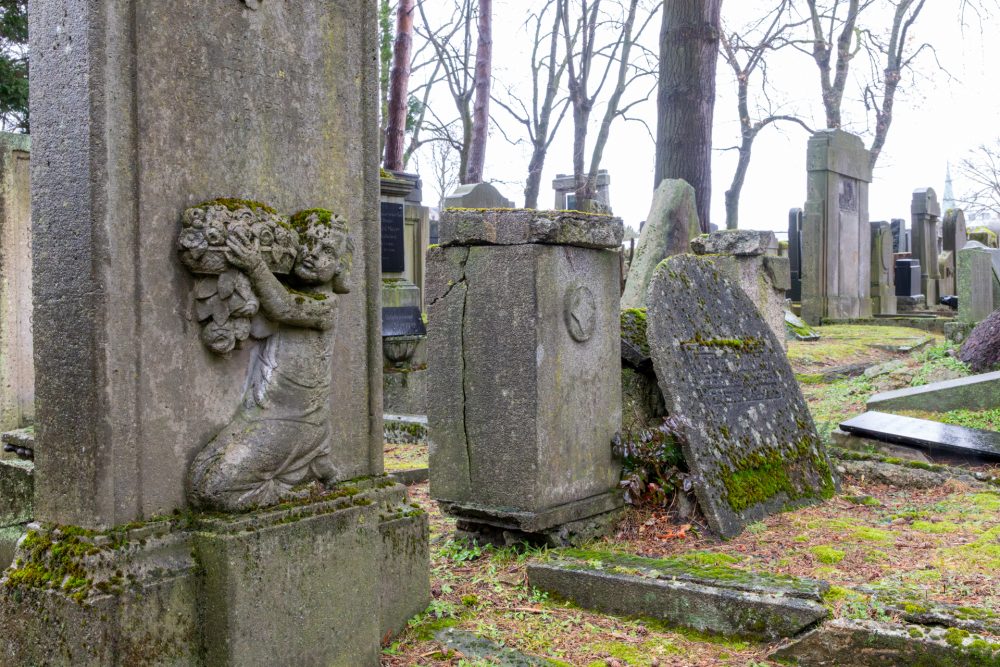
(524, 356)
(748, 439)
(883, 272)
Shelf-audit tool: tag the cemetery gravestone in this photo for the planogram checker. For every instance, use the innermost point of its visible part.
(17, 378)
(975, 283)
(670, 226)
(150, 388)
(954, 239)
(565, 189)
(795, 253)
(900, 237)
(749, 439)
(883, 271)
(477, 195)
(524, 357)
(925, 215)
(835, 234)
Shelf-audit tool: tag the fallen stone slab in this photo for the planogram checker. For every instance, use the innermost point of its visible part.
(845, 643)
(976, 392)
(933, 437)
(725, 611)
(798, 329)
(861, 444)
(411, 476)
(470, 645)
(895, 471)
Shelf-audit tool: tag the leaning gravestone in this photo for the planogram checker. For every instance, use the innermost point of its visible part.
(670, 226)
(748, 437)
(208, 371)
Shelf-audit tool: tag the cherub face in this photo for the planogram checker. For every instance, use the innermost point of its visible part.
(219, 338)
(319, 260)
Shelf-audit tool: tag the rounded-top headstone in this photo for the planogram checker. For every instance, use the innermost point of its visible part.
(748, 438)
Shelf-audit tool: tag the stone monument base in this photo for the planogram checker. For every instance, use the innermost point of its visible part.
(911, 304)
(570, 524)
(317, 581)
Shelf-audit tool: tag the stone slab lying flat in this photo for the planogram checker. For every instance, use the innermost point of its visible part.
(475, 647)
(976, 392)
(931, 436)
(844, 643)
(518, 226)
(703, 608)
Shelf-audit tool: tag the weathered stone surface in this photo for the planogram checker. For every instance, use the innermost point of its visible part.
(706, 608)
(976, 392)
(797, 328)
(779, 271)
(670, 226)
(405, 428)
(846, 643)
(405, 392)
(737, 242)
(478, 648)
(17, 378)
(9, 538)
(750, 442)
(981, 349)
(975, 283)
(925, 212)
(514, 227)
(835, 233)
(883, 270)
(859, 443)
(126, 391)
(477, 195)
(404, 584)
(17, 486)
(524, 355)
(749, 273)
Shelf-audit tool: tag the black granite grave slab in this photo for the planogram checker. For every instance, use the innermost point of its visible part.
(403, 321)
(926, 435)
(393, 226)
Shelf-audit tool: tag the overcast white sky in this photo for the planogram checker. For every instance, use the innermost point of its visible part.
(937, 118)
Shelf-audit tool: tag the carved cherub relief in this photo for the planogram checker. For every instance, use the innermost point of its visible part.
(262, 276)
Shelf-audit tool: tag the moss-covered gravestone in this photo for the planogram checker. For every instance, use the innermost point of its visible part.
(748, 437)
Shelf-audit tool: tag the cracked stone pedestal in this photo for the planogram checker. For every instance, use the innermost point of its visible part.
(524, 357)
(261, 588)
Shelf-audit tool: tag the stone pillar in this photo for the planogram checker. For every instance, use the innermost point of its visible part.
(925, 213)
(154, 398)
(525, 361)
(795, 254)
(835, 234)
(975, 283)
(17, 375)
(749, 259)
(955, 236)
(883, 270)
(900, 236)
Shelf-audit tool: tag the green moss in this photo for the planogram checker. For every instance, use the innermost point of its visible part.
(874, 535)
(633, 328)
(827, 554)
(300, 220)
(761, 476)
(937, 527)
(741, 344)
(315, 296)
(233, 204)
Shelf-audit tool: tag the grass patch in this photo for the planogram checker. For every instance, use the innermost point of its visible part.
(827, 554)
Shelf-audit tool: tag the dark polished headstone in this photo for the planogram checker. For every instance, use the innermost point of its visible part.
(795, 252)
(933, 437)
(404, 321)
(908, 277)
(393, 251)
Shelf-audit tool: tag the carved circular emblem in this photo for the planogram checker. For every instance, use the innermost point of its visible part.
(253, 4)
(580, 313)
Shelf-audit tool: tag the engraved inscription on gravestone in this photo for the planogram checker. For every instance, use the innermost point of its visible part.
(403, 321)
(748, 438)
(393, 255)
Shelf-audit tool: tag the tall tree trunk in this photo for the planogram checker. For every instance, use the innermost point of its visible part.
(395, 142)
(481, 106)
(385, 65)
(689, 46)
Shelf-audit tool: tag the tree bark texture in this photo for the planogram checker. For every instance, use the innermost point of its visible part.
(689, 45)
(481, 105)
(395, 140)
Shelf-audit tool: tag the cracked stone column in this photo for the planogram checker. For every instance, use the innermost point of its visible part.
(525, 372)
